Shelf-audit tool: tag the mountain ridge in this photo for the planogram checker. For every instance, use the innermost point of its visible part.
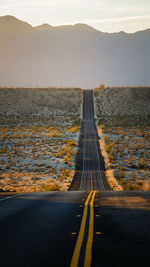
(71, 55)
(12, 19)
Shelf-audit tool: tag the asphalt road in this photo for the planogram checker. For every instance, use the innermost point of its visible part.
(37, 229)
(123, 220)
(42, 229)
(90, 174)
(88, 227)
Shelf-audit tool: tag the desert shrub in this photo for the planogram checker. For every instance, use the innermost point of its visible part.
(124, 183)
(109, 146)
(139, 183)
(101, 86)
(131, 163)
(34, 179)
(142, 164)
(65, 173)
(61, 152)
(111, 156)
(73, 129)
(65, 151)
(121, 174)
(127, 185)
(71, 143)
(102, 126)
(50, 187)
(106, 138)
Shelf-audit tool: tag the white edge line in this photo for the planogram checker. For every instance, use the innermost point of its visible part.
(80, 188)
(10, 197)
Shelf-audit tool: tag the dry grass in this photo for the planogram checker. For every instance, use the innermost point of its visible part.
(39, 131)
(125, 115)
(32, 156)
(129, 153)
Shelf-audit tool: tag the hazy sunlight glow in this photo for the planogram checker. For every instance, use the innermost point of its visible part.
(104, 15)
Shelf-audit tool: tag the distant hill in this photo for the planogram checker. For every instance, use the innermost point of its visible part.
(123, 107)
(71, 55)
(40, 102)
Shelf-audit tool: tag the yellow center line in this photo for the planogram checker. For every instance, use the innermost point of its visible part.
(91, 181)
(76, 253)
(88, 252)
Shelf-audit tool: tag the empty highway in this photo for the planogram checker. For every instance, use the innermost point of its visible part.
(87, 226)
(90, 174)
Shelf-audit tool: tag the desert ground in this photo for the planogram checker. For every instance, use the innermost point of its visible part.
(39, 132)
(40, 102)
(123, 114)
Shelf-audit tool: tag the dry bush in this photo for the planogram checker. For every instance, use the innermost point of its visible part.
(50, 187)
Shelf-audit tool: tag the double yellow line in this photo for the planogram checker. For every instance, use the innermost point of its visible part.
(88, 251)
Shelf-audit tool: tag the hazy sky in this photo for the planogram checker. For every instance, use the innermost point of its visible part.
(104, 15)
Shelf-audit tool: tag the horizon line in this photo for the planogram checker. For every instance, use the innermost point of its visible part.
(78, 23)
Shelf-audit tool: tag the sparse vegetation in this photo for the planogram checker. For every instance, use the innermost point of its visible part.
(128, 151)
(124, 116)
(30, 156)
(50, 187)
(101, 86)
(123, 107)
(38, 143)
(44, 102)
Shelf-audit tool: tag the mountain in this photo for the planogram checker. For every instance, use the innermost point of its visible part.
(73, 55)
(10, 24)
